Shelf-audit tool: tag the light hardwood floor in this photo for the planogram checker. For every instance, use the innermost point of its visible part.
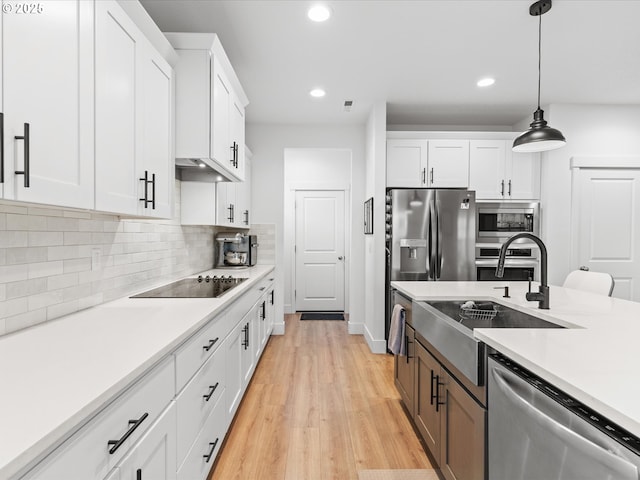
(320, 406)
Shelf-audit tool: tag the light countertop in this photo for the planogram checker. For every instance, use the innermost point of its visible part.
(596, 359)
(57, 375)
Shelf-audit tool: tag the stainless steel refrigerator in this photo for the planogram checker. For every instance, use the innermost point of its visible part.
(431, 236)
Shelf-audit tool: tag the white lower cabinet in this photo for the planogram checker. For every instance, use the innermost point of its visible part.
(196, 401)
(207, 445)
(100, 445)
(153, 457)
(171, 423)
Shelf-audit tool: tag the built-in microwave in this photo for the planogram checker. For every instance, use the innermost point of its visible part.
(496, 222)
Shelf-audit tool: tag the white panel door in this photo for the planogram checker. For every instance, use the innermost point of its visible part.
(608, 233)
(319, 251)
(47, 72)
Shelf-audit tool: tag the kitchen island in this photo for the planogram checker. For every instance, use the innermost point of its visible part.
(57, 378)
(594, 358)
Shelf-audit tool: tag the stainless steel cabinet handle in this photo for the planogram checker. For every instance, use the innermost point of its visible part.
(424, 179)
(25, 172)
(509, 187)
(1, 147)
(431, 176)
(502, 188)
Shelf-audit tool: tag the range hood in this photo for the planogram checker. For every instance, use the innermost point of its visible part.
(200, 170)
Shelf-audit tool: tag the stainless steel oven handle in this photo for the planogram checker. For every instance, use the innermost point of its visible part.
(567, 436)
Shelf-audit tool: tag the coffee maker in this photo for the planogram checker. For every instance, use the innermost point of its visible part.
(236, 250)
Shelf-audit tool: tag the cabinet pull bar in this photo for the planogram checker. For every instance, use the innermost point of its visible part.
(139, 474)
(272, 296)
(509, 187)
(145, 179)
(246, 217)
(233, 154)
(233, 213)
(424, 176)
(153, 191)
(25, 172)
(502, 188)
(1, 147)
(207, 397)
(208, 456)
(431, 176)
(115, 444)
(433, 377)
(206, 348)
(438, 385)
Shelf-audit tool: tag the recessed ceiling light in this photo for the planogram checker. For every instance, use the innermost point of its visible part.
(317, 93)
(319, 13)
(486, 82)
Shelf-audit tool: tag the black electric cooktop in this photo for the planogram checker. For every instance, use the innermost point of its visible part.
(201, 287)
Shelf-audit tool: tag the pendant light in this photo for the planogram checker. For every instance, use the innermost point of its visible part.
(540, 137)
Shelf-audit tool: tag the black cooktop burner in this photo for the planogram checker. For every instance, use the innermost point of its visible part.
(201, 287)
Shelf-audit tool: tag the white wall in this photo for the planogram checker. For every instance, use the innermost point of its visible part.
(376, 156)
(590, 130)
(268, 143)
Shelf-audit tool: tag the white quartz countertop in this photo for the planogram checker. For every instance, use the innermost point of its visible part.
(55, 376)
(596, 359)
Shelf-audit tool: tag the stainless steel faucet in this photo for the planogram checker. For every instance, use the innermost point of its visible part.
(542, 296)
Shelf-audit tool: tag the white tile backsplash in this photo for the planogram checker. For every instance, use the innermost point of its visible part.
(45, 259)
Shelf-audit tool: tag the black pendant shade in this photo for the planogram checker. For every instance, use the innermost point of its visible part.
(540, 137)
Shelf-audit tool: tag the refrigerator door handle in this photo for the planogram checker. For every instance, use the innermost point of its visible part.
(438, 255)
(432, 241)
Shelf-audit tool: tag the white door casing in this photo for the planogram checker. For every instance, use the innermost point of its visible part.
(320, 250)
(606, 226)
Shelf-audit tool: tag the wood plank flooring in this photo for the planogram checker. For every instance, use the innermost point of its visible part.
(320, 407)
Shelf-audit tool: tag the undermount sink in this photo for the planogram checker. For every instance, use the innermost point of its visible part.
(505, 317)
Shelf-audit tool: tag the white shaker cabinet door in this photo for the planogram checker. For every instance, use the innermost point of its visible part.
(448, 164)
(487, 165)
(154, 456)
(118, 46)
(156, 135)
(48, 89)
(406, 163)
(523, 173)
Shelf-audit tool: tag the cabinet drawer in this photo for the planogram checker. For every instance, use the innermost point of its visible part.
(86, 454)
(198, 399)
(196, 351)
(207, 446)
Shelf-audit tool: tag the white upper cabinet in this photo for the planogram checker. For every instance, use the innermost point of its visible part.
(210, 105)
(406, 162)
(415, 163)
(47, 72)
(497, 173)
(448, 165)
(134, 167)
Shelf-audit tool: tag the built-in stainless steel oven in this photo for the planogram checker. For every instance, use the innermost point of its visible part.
(498, 221)
(495, 223)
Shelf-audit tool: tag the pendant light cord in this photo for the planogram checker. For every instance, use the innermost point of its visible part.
(539, 54)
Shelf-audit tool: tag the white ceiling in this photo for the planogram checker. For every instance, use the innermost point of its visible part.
(422, 57)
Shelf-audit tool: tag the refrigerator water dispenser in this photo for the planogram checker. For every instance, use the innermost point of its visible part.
(413, 255)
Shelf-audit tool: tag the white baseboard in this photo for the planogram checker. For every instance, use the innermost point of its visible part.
(376, 346)
(355, 328)
(288, 308)
(278, 329)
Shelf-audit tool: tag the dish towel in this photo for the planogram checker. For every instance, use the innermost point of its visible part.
(396, 342)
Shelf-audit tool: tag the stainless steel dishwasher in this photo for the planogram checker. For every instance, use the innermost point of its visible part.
(537, 432)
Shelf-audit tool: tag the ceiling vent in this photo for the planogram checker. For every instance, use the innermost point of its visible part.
(347, 105)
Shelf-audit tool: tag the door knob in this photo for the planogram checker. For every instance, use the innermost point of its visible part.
(340, 258)
(584, 269)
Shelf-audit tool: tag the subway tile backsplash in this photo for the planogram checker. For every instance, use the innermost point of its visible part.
(46, 259)
(46, 255)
